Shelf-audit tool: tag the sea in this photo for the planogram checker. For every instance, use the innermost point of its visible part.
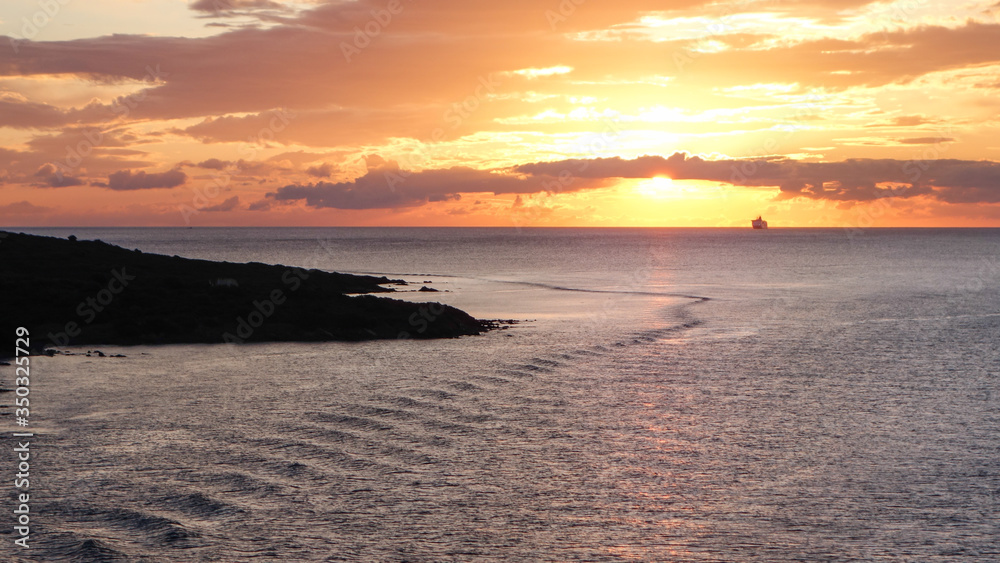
(690, 395)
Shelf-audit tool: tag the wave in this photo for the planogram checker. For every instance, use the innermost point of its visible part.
(88, 550)
(199, 505)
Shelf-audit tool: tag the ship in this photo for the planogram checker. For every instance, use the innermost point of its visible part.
(759, 223)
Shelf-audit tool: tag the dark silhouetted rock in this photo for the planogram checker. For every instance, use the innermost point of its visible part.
(90, 292)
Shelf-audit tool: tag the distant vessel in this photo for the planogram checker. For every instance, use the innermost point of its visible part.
(759, 223)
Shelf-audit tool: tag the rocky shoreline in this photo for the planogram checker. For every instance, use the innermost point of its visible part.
(74, 292)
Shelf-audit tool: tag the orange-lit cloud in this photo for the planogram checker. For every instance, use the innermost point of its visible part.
(268, 112)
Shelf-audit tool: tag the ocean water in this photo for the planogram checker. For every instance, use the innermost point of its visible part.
(670, 395)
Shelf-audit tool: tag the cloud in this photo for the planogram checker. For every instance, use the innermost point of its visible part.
(214, 164)
(533, 73)
(386, 186)
(127, 180)
(228, 8)
(54, 178)
(947, 180)
(228, 205)
(874, 59)
(83, 151)
(262, 205)
(926, 140)
(299, 64)
(903, 121)
(320, 128)
(59, 181)
(322, 171)
(22, 208)
(20, 113)
(425, 71)
(290, 65)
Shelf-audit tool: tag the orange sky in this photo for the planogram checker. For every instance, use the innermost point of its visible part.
(552, 113)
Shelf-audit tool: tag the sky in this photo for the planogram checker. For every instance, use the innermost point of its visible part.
(667, 113)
